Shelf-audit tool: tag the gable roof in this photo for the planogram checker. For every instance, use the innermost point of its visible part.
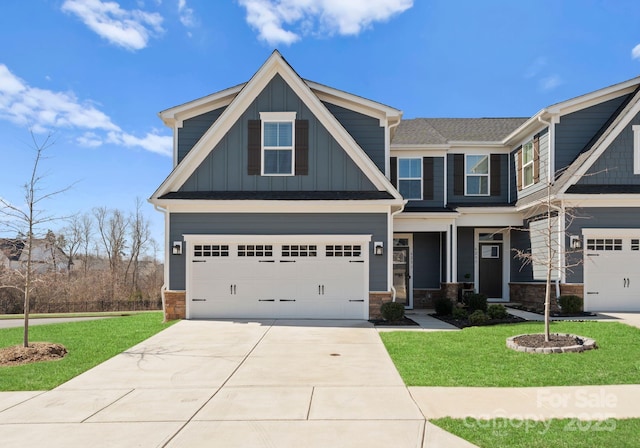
(442, 131)
(275, 64)
(592, 151)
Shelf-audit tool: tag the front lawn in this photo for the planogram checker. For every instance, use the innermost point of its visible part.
(478, 356)
(570, 433)
(88, 342)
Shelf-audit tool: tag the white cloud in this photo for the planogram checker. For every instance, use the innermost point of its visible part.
(130, 29)
(43, 110)
(187, 17)
(550, 82)
(635, 53)
(328, 17)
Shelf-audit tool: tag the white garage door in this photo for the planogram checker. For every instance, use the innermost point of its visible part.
(278, 276)
(612, 270)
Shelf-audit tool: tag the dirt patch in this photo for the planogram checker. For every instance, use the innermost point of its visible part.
(36, 352)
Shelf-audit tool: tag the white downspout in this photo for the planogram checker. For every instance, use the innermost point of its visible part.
(551, 180)
(166, 253)
(390, 274)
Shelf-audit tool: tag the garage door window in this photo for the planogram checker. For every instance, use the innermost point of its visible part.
(635, 244)
(255, 250)
(605, 244)
(299, 250)
(347, 250)
(210, 250)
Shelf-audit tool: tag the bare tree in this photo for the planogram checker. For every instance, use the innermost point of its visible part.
(86, 230)
(112, 227)
(139, 234)
(71, 239)
(27, 220)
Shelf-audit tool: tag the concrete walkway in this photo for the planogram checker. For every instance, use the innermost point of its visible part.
(232, 384)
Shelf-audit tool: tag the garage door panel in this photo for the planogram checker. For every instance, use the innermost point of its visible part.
(611, 272)
(298, 279)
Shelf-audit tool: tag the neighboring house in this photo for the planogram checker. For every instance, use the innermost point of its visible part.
(45, 255)
(289, 198)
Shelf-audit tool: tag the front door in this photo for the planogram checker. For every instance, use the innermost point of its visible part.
(490, 270)
(401, 275)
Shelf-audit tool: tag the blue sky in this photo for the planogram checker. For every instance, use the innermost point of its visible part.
(95, 73)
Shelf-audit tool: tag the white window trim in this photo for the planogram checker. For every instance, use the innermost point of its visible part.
(530, 163)
(266, 117)
(488, 175)
(636, 148)
(412, 178)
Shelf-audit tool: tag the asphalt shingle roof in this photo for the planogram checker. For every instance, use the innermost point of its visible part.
(439, 131)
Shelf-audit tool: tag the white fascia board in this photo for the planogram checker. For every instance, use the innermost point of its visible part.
(199, 106)
(263, 206)
(411, 224)
(355, 102)
(633, 108)
(274, 65)
(489, 217)
(593, 98)
(528, 129)
(600, 200)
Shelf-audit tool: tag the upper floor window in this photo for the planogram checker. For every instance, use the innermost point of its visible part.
(476, 175)
(410, 178)
(527, 164)
(278, 143)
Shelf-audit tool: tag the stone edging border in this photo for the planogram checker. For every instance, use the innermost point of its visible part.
(588, 344)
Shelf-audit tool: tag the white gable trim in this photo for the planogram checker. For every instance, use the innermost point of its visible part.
(176, 115)
(632, 109)
(274, 65)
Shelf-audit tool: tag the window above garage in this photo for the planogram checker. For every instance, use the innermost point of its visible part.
(278, 134)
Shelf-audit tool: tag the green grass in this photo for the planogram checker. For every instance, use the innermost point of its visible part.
(89, 343)
(557, 433)
(477, 356)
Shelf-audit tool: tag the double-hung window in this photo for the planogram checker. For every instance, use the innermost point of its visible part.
(527, 164)
(636, 148)
(476, 175)
(410, 178)
(278, 143)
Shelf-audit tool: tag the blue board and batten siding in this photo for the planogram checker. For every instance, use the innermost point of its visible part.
(576, 130)
(330, 167)
(193, 129)
(615, 165)
(374, 224)
(426, 260)
(365, 130)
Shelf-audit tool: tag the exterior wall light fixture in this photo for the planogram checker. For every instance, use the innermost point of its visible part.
(176, 249)
(378, 248)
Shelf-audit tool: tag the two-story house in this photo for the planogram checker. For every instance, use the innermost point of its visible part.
(289, 198)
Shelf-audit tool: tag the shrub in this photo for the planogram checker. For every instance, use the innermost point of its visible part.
(392, 311)
(570, 304)
(476, 302)
(477, 317)
(497, 311)
(460, 313)
(443, 306)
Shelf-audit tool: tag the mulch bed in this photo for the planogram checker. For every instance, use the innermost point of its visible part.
(404, 322)
(555, 313)
(555, 340)
(36, 352)
(464, 323)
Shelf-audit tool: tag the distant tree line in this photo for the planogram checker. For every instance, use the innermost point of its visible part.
(101, 260)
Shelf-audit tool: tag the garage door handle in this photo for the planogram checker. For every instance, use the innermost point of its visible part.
(198, 261)
(593, 255)
(266, 300)
(592, 292)
(266, 261)
(356, 261)
(287, 300)
(198, 300)
(360, 300)
(287, 261)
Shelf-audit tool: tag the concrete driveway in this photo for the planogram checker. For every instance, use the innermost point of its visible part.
(231, 384)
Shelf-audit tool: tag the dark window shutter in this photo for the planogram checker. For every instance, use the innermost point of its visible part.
(302, 147)
(393, 167)
(254, 147)
(458, 174)
(536, 158)
(495, 174)
(519, 173)
(427, 178)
